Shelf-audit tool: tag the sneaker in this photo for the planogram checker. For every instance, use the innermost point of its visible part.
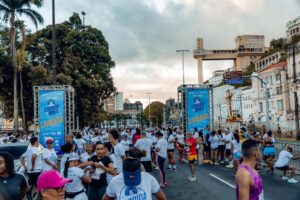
(285, 178)
(162, 185)
(165, 183)
(174, 169)
(217, 163)
(189, 178)
(193, 178)
(291, 180)
(169, 168)
(229, 166)
(156, 168)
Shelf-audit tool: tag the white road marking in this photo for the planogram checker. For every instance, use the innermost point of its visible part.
(230, 185)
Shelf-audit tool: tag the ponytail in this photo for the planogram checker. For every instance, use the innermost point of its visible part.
(67, 164)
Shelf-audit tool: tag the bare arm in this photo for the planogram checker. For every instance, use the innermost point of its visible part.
(33, 158)
(86, 180)
(23, 162)
(23, 193)
(106, 197)
(160, 195)
(243, 179)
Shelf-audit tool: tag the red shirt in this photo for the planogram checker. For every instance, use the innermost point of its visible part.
(135, 138)
(191, 150)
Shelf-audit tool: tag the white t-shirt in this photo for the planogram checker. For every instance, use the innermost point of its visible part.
(162, 144)
(119, 152)
(283, 158)
(180, 138)
(125, 144)
(214, 141)
(221, 139)
(97, 139)
(144, 190)
(170, 143)
(237, 147)
(75, 173)
(51, 156)
(80, 143)
(85, 156)
(228, 138)
(145, 144)
(38, 161)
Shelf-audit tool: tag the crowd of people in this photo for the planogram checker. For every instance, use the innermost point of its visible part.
(117, 164)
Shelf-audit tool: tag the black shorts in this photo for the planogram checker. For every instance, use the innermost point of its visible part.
(147, 165)
(284, 168)
(206, 148)
(192, 161)
(171, 150)
(228, 152)
(33, 177)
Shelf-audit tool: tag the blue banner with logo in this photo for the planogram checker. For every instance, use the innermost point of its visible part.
(198, 109)
(51, 116)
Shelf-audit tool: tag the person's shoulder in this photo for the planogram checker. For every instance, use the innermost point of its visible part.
(243, 174)
(19, 176)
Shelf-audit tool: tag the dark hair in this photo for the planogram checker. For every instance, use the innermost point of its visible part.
(247, 148)
(78, 136)
(269, 133)
(136, 153)
(170, 131)
(195, 129)
(33, 140)
(115, 134)
(213, 133)
(67, 165)
(108, 146)
(138, 131)
(66, 148)
(97, 143)
(200, 133)
(236, 137)
(9, 163)
(159, 134)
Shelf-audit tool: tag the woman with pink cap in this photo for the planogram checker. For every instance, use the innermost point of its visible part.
(51, 185)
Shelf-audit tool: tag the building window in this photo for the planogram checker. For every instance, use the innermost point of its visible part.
(261, 109)
(279, 90)
(277, 77)
(279, 105)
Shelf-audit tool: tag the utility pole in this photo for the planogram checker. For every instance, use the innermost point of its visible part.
(295, 95)
(149, 115)
(241, 107)
(53, 45)
(182, 51)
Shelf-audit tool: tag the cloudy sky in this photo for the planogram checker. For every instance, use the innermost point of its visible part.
(144, 35)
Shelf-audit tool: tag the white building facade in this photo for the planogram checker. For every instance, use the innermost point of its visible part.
(119, 101)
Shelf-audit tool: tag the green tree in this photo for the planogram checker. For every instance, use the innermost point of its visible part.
(11, 9)
(156, 113)
(83, 61)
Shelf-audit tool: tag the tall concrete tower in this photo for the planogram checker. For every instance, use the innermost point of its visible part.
(200, 46)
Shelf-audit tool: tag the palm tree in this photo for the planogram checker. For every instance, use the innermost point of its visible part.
(11, 9)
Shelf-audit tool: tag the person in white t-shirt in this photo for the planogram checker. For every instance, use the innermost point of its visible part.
(133, 184)
(145, 144)
(171, 148)
(75, 189)
(125, 143)
(89, 153)
(214, 144)
(282, 164)
(49, 156)
(32, 161)
(180, 144)
(80, 142)
(118, 150)
(161, 150)
(228, 140)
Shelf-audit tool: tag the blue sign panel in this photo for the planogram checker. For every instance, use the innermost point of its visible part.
(51, 115)
(234, 81)
(198, 108)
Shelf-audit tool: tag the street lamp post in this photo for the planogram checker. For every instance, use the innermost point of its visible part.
(182, 51)
(256, 75)
(53, 45)
(83, 18)
(149, 93)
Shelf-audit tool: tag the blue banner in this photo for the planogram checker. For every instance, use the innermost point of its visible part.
(51, 117)
(198, 109)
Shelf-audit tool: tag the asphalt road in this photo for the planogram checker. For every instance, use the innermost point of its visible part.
(217, 183)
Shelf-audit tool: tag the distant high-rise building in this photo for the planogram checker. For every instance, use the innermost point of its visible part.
(133, 106)
(109, 105)
(170, 103)
(119, 101)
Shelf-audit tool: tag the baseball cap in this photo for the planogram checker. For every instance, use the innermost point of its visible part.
(73, 156)
(49, 140)
(51, 179)
(132, 172)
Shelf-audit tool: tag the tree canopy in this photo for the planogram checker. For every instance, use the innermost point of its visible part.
(83, 61)
(156, 112)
